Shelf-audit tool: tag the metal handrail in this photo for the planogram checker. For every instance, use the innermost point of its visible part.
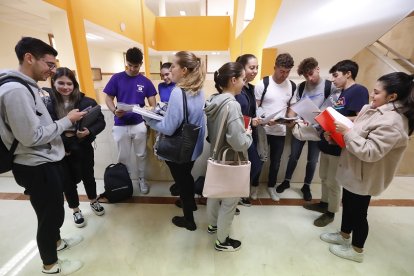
(396, 54)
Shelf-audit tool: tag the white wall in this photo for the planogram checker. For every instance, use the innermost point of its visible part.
(10, 35)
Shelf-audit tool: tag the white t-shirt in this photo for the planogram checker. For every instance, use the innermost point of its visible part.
(276, 99)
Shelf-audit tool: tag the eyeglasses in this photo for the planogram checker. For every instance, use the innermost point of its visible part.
(50, 64)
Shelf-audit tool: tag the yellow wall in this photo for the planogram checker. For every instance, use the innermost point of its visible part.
(193, 33)
(253, 38)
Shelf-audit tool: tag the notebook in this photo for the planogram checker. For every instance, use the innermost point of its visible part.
(90, 117)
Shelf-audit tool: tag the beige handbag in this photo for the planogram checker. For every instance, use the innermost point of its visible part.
(225, 178)
(304, 132)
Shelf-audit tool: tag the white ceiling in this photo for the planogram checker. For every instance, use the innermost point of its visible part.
(332, 30)
(329, 30)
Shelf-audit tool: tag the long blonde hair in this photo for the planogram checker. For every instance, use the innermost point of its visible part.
(194, 80)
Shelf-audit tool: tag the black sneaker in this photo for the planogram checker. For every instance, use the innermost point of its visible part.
(282, 187)
(180, 205)
(174, 190)
(78, 219)
(307, 196)
(183, 223)
(245, 202)
(211, 229)
(229, 245)
(237, 212)
(97, 208)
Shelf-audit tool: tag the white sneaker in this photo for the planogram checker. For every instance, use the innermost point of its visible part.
(64, 267)
(335, 238)
(346, 251)
(69, 243)
(273, 194)
(143, 186)
(253, 192)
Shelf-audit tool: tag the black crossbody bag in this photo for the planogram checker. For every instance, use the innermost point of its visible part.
(179, 147)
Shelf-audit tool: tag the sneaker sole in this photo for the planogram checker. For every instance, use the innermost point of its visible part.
(99, 213)
(226, 249)
(80, 225)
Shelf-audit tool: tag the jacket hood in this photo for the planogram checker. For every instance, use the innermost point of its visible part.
(215, 102)
(17, 74)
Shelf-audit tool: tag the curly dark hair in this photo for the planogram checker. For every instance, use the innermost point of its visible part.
(284, 60)
(307, 65)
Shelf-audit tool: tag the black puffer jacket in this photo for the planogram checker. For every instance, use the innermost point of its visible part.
(83, 103)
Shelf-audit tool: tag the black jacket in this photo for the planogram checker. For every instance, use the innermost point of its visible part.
(83, 103)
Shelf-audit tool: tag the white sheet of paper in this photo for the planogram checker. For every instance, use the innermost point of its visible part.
(124, 106)
(147, 113)
(306, 109)
(340, 118)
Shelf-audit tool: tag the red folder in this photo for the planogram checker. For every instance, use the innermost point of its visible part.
(326, 120)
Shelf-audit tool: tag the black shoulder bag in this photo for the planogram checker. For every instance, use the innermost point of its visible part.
(179, 147)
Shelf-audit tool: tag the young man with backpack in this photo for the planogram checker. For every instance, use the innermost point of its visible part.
(276, 96)
(37, 158)
(351, 99)
(318, 90)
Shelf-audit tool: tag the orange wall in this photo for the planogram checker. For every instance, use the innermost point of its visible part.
(193, 33)
(253, 38)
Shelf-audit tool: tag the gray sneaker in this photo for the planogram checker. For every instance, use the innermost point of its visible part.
(346, 251)
(272, 193)
(335, 238)
(143, 186)
(64, 267)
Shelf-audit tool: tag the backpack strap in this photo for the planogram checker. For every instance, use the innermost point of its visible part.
(266, 84)
(301, 89)
(19, 80)
(327, 90)
(293, 91)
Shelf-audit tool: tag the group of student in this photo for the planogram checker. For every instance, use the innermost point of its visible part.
(53, 155)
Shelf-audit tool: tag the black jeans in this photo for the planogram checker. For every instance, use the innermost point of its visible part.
(276, 144)
(44, 184)
(256, 164)
(296, 147)
(354, 217)
(79, 166)
(185, 181)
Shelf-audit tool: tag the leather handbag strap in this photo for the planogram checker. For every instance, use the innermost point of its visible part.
(185, 107)
(226, 112)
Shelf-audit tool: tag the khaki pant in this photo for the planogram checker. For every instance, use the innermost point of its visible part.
(331, 191)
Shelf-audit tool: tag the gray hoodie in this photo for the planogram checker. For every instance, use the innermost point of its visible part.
(234, 134)
(38, 135)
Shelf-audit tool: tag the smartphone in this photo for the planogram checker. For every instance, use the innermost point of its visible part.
(87, 109)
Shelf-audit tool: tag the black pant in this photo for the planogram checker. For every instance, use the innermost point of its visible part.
(79, 166)
(44, 184)
(185, 181)
(276, 144)
(354, 217)
(256, 164)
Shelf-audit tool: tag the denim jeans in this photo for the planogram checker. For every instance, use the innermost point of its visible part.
(296, 147)
(276, 144)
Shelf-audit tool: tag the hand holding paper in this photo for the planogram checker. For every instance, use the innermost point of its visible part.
(327, 120)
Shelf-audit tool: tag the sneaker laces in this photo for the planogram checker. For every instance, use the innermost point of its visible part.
(97, 206)
(78, 215)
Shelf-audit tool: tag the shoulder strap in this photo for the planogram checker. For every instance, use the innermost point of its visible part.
(19, 80)
(185, 107)
(293, 91)
(226, 112)
(327, 90)
(266, 84)
(301, 89)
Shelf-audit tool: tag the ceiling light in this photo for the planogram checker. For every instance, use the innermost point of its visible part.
(93, 37)
(182, 13)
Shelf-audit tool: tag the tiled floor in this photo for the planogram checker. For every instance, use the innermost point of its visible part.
(278, 239)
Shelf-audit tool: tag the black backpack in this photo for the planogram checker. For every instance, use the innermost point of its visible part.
(266, 84)
(118, 184)
(7, 155)
(327, 89)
